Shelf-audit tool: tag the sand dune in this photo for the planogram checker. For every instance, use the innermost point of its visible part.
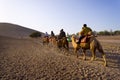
(13, 30)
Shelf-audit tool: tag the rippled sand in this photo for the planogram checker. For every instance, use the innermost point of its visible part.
(28, 59)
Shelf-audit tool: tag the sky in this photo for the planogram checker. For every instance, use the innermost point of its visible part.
(54, 15)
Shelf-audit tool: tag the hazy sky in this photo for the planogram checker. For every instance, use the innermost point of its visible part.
(48, 15)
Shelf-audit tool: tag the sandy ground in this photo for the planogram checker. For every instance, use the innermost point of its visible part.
(28, 59)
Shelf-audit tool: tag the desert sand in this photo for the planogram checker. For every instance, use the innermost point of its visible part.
(24, 58)
(28, 59)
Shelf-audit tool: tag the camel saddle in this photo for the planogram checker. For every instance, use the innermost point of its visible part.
(85, 39)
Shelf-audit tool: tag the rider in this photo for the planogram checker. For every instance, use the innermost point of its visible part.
(46, 34)
(84, 32)
(62, 34)
(52, 34)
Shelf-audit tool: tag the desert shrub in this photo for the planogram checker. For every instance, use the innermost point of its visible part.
(103, 33)
(117, 32)
(35, 34)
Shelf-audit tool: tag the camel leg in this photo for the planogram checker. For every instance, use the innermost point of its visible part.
(93, 54)
(84, 54)
(75, 51)
(104, 58)
(67, 45)
(103, 55)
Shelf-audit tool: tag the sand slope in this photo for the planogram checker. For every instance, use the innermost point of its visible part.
(13, 30)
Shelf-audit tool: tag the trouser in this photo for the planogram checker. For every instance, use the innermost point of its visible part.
(80, 39)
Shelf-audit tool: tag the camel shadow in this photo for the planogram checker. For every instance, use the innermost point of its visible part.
(113, 59)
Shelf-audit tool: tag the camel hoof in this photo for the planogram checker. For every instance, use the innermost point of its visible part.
(84, 58)
(92, 59)
(105, 65)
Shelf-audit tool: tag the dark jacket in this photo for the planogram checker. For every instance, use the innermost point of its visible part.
(61, 35)
(52, 34)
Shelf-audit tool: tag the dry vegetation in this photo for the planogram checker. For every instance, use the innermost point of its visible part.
(110, 43)
(28, 59)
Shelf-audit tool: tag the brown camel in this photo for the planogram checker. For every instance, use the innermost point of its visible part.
(93, 44)
(63, 43)
(45, 40)
(53, 40)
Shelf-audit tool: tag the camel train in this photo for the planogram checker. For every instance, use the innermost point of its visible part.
(54, 41)
(92, 44)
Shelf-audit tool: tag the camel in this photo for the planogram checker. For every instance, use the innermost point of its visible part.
(93, 44)
(53, 40)
(45, 40)
(63, 43)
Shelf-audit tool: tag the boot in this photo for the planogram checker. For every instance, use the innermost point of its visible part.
(78, 42)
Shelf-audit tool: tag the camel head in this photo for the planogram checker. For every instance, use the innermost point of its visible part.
(73, 37)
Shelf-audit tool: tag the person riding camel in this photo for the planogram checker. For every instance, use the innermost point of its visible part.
(46, 34)
(62, 34)
(86, 31)
(52, 34)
